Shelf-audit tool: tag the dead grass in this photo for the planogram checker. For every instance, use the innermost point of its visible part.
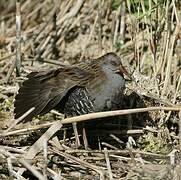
(147, 35)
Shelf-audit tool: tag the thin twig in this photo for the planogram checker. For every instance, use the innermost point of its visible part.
(83, 163)
(14, 122)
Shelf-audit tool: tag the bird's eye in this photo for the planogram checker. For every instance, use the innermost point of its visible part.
(113, 63)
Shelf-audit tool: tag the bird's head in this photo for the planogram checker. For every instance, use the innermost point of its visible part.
(112, 62)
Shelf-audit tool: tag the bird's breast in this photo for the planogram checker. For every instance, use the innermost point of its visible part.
(106, 94)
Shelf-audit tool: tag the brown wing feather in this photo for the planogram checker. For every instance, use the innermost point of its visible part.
(45, 90)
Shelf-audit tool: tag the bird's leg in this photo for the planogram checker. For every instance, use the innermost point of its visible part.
(84, 136)
(77, 140)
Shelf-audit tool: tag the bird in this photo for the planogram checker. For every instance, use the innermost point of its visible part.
(91, 86)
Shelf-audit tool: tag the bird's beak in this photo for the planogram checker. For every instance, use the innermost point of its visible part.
(122, 70)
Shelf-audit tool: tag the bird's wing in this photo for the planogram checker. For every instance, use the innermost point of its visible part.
(44, 91)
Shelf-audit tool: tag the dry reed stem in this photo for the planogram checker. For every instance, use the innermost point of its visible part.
(37, 146)
(122, 20)
(174, 98)
(89, 38)
(18, 37)
(179, 130)
(10, 71)
(119, 152)
(73, 12)
(169, 63)
(108, 164)
(98, 116)
(42, 33)
(99, 170)
(117, 22)
(32, 169)
(77, 140)
(116, 113)
(45, 154)
(7, 56)
(109, 145)
(99, 14)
